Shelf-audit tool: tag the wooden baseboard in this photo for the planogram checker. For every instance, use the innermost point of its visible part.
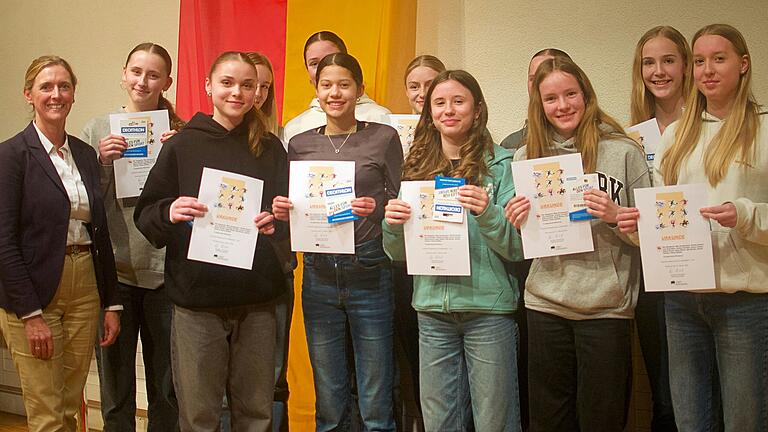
(10, 389)
(97, 406)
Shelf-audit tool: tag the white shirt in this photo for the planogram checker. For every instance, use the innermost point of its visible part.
(80, 208)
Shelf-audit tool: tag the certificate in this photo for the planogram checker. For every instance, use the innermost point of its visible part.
(675, 239)
(226, 235)
(432, 247)
(142, 132)
(311, 230)
(405, 125)
(648, 135)
(548, 230)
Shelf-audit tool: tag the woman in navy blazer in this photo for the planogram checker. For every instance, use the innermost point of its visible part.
(56, 262)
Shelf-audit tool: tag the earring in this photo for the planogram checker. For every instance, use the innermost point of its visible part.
(208, 93)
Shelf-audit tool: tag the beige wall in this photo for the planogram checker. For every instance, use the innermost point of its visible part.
(494, 40)
(94, 36)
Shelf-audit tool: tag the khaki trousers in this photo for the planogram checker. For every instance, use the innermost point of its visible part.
(53, 388)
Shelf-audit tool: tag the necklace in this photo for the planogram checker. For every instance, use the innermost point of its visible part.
(338, 149)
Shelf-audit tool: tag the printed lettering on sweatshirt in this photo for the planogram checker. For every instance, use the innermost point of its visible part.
(611, 185)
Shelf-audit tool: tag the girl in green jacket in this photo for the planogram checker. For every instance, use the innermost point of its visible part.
(464, 319)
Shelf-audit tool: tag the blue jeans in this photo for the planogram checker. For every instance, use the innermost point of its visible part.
(354, 289)
(487, 343)
(146, 314)
(723, 335)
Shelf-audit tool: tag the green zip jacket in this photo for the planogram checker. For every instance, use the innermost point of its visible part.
(492, 240)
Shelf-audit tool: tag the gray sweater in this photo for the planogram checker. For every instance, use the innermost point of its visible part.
(138, 263)
(603, 283)
(375, 148)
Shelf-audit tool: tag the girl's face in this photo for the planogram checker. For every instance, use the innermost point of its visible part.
(145, 79)
(717, 68)
(315, 52)
(232, 86)
(416, 84)
(52, 95)
(453, 111)
(563, 102)
(262, 85)
(663, 69)
(337, 92)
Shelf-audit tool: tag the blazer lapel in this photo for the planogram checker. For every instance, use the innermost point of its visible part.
(41, 156)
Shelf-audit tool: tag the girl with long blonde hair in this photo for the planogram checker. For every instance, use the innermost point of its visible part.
(580, 306)
(718, 340)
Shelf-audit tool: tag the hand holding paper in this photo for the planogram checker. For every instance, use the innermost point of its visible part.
(167, 134)
(186, 208)
(111, 148)
(517, 209)
(281, 208)
(264, 222)
(363, 206)
(626, 219)
(473, 198)
(600, 205)
(397, 212)
(724, 214)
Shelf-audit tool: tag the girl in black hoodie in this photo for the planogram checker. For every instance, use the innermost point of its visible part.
(223, 331)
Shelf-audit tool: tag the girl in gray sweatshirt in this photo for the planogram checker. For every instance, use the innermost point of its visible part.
(580, 306)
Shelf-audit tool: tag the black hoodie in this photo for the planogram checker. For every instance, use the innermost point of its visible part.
(205, 143)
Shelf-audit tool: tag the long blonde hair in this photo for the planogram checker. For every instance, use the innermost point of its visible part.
(736, 136)
(643, 102)
(594, 125)
(253, 118)
(426, 158)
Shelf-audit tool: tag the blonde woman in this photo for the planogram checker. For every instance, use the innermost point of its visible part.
(719, 340)
(661, 74)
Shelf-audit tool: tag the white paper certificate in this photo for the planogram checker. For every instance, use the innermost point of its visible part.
(648, 135)
(310, 230)
(548, 231)
(432, 247)
(675, 239)
(405, 125)
(142, 132)
(226, 235)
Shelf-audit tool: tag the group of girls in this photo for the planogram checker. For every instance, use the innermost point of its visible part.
(221, 334)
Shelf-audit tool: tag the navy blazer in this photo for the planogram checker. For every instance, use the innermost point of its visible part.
(34, 220)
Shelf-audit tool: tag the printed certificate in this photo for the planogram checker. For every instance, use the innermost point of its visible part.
(648, 135)
(226, 235)
(549, 230)
(311, 230)
(675, 239)
(405, 125)
(142, 132)
(432, 247)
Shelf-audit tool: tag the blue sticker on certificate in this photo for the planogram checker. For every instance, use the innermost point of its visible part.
(576, 186)
(338, 203)
(447, 207)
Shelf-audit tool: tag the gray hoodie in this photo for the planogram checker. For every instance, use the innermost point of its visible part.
(603, 283)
